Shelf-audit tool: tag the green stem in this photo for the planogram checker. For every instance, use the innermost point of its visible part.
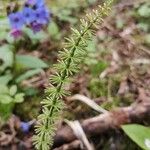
(64, 74)
(14, 58)
(47, 116)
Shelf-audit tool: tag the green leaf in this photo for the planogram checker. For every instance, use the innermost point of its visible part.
(120, 23)
(91, 1)
(30, 91)
(4, 24)
(144, 10)
(139, 134)
(6, 110)
(3, 35)
(99, 67)
(4, 27)
(13, 90)
(35, 37)
(28, 74)
(143, 26)
(5, 79)
(5, 99)
(19, 98)
(54, 30)
(4, 89)
(147, 38)
(26, 61)
(6, 56)
(65, 16)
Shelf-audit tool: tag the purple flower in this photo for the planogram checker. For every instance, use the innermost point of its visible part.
(36, 27)
(25, 126)
(34, 14)
(16, 33)
(42, 15)
(16, 20)
(31, 2)
(36, 3)
(28, 15)
(40, 3)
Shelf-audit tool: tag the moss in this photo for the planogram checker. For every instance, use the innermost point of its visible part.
(29, 109)
(6, 110)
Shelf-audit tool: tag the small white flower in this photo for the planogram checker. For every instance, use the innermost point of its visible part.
(147, 143)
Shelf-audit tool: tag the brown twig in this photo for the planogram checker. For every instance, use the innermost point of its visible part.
(77, 144)
(111, 120)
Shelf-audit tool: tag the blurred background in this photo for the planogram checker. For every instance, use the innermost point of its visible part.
(114, 77)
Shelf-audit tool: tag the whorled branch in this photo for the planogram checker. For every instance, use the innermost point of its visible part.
(68, 64)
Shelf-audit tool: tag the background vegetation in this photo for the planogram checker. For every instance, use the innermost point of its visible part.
(114, 74)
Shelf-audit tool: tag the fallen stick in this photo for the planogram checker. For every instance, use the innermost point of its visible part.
(111, 120)
(88, 102)
(73, 145)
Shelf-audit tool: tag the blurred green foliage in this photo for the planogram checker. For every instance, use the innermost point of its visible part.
(8, 97)
(15, 68)
(139, 134)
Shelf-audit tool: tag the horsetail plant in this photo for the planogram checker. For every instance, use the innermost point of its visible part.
(69, 60)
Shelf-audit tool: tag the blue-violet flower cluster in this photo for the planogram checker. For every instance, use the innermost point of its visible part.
(34, 15)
